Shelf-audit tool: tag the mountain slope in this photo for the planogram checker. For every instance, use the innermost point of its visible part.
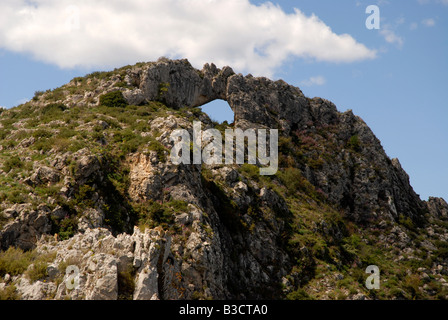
(87, 181)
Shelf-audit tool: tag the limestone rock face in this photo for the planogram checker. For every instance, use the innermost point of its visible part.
(437, 207)
(178, 84)
(87, 165)
(104, 263)
(43, 175)
(262, 101)
(145, 178)
(26, 228)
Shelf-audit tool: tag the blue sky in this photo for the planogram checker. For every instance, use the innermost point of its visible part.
(395, 78)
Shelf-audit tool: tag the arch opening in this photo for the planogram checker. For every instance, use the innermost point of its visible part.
(219, 111)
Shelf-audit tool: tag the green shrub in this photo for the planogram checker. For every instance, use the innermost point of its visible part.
(113, 99)
(120, 180)
(15, 261)
(285, 145)
(56, 94)
(37, 94)
(40, 262)
(122, 84)
(294, 181)
(61, 144)
(354, 143)
(155, 213)
(442, 249)
(53, 109)
(42, 133)
(3, 219)
(38, 271)
(47, 191)
(76, 145)
(163, 89)
(32, 122)
(299, 294)
(316, 163)
(43, 145)
(16, 196)
(250, 170)
(100, 75)
(178, 205)
(407, 222)
(158, 214)
(9, 144)
(4, 133)
(411, 285)
(156, 146)
(20, 134)
(9, 293)
(68, 228)
(8, 122)
(126, 283)
(12, 163)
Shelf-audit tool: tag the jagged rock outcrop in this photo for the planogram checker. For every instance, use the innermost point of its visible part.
(178, 84)
(437, 207)
(256, 101)
(26, 228)
(366, 185)
(106, 264)
(43, 175)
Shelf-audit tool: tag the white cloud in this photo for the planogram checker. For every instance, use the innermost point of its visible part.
(22, 101)
(314, 81)
(256, 39)
(429, 22)
(391, 37)
(400, 21)
(444, 2)
(383, 2)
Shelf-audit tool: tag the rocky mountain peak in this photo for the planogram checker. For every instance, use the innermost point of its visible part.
(87, 182)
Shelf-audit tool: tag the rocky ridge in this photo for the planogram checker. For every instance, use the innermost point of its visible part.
(80, 175)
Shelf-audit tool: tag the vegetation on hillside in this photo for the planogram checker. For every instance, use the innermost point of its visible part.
(330, 252)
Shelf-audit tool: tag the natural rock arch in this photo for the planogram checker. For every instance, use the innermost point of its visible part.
(219, 110)
(255, 101)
